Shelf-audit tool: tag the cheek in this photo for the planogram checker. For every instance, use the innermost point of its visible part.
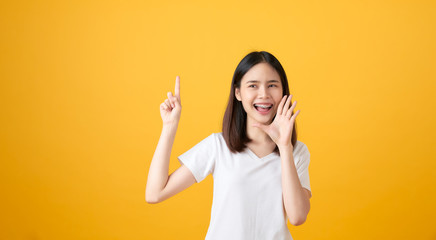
(275, 109)
(278, 98)
(247, 105)
(247, 102)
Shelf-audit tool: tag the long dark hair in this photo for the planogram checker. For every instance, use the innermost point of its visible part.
(235, 117)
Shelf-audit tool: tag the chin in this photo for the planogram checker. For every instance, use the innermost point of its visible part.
(265, 120)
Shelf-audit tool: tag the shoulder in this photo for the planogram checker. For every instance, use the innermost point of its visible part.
(300, 144)
(214, 138)
(218, 136)
(220, 141)
(207, 141)
(300, 148)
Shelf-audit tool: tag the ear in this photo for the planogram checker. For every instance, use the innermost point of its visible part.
(238, 94)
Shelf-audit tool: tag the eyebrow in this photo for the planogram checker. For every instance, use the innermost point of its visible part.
(256, 81)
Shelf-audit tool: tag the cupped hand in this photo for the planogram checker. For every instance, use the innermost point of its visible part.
(280, 130)
(171, 108)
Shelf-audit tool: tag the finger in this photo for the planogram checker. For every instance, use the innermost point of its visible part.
(175, 101)
(163, 106)
(167, 102)
(295, 115)
(289, 112)
(286, 107)
(280, 107)
(177, 88)
(170, 97)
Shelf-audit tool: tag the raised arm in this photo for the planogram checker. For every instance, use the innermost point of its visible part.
(159, 185)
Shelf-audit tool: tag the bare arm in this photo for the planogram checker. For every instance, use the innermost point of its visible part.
(160, 186)
(295, 197)
(158, 172)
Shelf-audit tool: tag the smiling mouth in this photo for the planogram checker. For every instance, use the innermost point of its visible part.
(263, 108)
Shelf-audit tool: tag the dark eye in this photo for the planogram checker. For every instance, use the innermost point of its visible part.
(251, 85)
(273, 85)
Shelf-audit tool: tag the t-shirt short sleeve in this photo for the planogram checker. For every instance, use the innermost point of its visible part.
(303, 167)
(201, 158)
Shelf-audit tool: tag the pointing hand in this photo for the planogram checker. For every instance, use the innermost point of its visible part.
(171, 108)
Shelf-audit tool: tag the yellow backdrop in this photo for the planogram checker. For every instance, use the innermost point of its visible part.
(82, 81)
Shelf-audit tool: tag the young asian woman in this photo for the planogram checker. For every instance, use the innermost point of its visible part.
(260, 169)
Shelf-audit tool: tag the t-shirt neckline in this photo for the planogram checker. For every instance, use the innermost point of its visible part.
(253, 155)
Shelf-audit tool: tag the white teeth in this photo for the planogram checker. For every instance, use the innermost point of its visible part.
(262, 106)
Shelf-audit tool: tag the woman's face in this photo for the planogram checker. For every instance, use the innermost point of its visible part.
(261, 91)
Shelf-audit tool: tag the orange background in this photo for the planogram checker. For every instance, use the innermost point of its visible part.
(82, 81)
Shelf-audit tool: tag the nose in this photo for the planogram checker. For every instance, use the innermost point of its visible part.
(263, 92)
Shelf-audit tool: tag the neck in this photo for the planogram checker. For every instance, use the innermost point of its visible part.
(257, 135)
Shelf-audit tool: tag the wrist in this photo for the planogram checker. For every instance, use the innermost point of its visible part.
(171, 123)
(169, 126)
(286, 148)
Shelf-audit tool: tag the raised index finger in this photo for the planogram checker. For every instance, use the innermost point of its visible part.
(177, 89)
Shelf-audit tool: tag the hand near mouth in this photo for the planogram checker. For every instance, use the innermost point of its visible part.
(280, 130)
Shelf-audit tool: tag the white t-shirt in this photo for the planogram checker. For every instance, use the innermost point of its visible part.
(247, 190)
